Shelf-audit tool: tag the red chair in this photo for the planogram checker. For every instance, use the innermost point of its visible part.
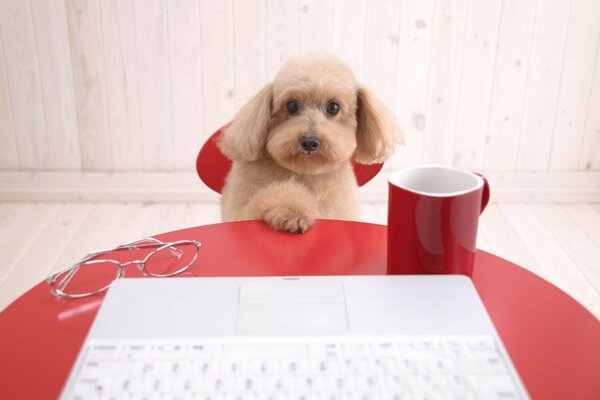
(212, 166)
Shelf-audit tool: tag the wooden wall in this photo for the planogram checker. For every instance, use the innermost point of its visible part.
(136, 85)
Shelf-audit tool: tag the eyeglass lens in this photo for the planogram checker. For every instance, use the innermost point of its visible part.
(89, 277)
(171, 260)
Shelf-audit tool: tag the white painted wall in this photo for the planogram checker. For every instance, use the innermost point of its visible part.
(137, 85)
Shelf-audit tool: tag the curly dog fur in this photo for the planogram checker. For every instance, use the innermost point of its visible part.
(293, 142)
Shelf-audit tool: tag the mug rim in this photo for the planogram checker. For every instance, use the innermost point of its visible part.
(402, 171)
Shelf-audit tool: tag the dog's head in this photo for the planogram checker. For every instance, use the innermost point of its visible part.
(312, 119)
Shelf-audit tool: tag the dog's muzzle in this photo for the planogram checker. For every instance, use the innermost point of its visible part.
(310, 143)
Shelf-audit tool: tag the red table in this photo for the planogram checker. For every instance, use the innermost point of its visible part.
(553, 340)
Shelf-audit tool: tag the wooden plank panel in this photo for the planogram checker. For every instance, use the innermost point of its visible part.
(92, 234)
(543, 79)
(122, 84)
(381, 49)
(443, 86)
(558, 267)
(85, 33)
(43, 252)
(56, 72)
(504, 240)
(582, 250)
(132, 225)
(8, 143)
(201, 214)
(349, 33)
(477, 74)
(283, 27)
(105, 186)
(140, 220)
(316, 25)
(24, 85)
(10, 215)
(165, 218)
(7, 213)
(414, 43)
(186, 81)
(588, 218)
(174, 219)
(18, 236)
(155, 84)
(218, 86)
(590, 152)
(576, 80)
(250, 49)
(510, 75)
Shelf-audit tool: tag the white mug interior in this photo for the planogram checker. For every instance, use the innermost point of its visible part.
(436, 180)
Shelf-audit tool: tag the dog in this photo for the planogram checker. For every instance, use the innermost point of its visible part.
(292, 145)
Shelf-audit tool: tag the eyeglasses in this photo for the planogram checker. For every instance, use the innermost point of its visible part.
(95, 273)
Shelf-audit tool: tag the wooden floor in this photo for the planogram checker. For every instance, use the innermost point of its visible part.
(560, 242)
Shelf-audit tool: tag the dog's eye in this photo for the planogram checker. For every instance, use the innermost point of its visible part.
(333, 108)
(292, 107)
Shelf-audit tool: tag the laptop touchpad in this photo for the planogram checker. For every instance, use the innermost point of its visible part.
(291, 307)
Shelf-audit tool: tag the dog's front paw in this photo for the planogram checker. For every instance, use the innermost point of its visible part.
(286, 218)
(286, 206)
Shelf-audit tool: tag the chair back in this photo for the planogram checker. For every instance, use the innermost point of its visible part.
(212, 166)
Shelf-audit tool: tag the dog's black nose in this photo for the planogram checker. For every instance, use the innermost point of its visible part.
(310, 143)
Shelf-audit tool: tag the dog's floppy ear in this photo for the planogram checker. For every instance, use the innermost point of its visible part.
(244, 138)
(377, 132)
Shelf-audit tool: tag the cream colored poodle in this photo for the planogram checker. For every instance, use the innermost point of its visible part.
(292, 145)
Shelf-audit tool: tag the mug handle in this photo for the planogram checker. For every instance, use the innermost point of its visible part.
(485, 196)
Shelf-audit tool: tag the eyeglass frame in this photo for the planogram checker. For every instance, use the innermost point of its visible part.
(57, 288)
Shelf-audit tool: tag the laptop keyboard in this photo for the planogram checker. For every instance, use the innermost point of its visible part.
(340, 368)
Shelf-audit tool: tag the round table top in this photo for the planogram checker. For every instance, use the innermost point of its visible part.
(554, 342)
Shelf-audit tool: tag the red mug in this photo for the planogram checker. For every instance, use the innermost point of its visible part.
(433, 212)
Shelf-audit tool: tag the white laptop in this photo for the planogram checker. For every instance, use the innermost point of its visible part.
(329, 337)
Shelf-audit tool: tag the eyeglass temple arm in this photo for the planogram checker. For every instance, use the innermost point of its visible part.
(65, 281)
(134, 245)
(137, 244)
